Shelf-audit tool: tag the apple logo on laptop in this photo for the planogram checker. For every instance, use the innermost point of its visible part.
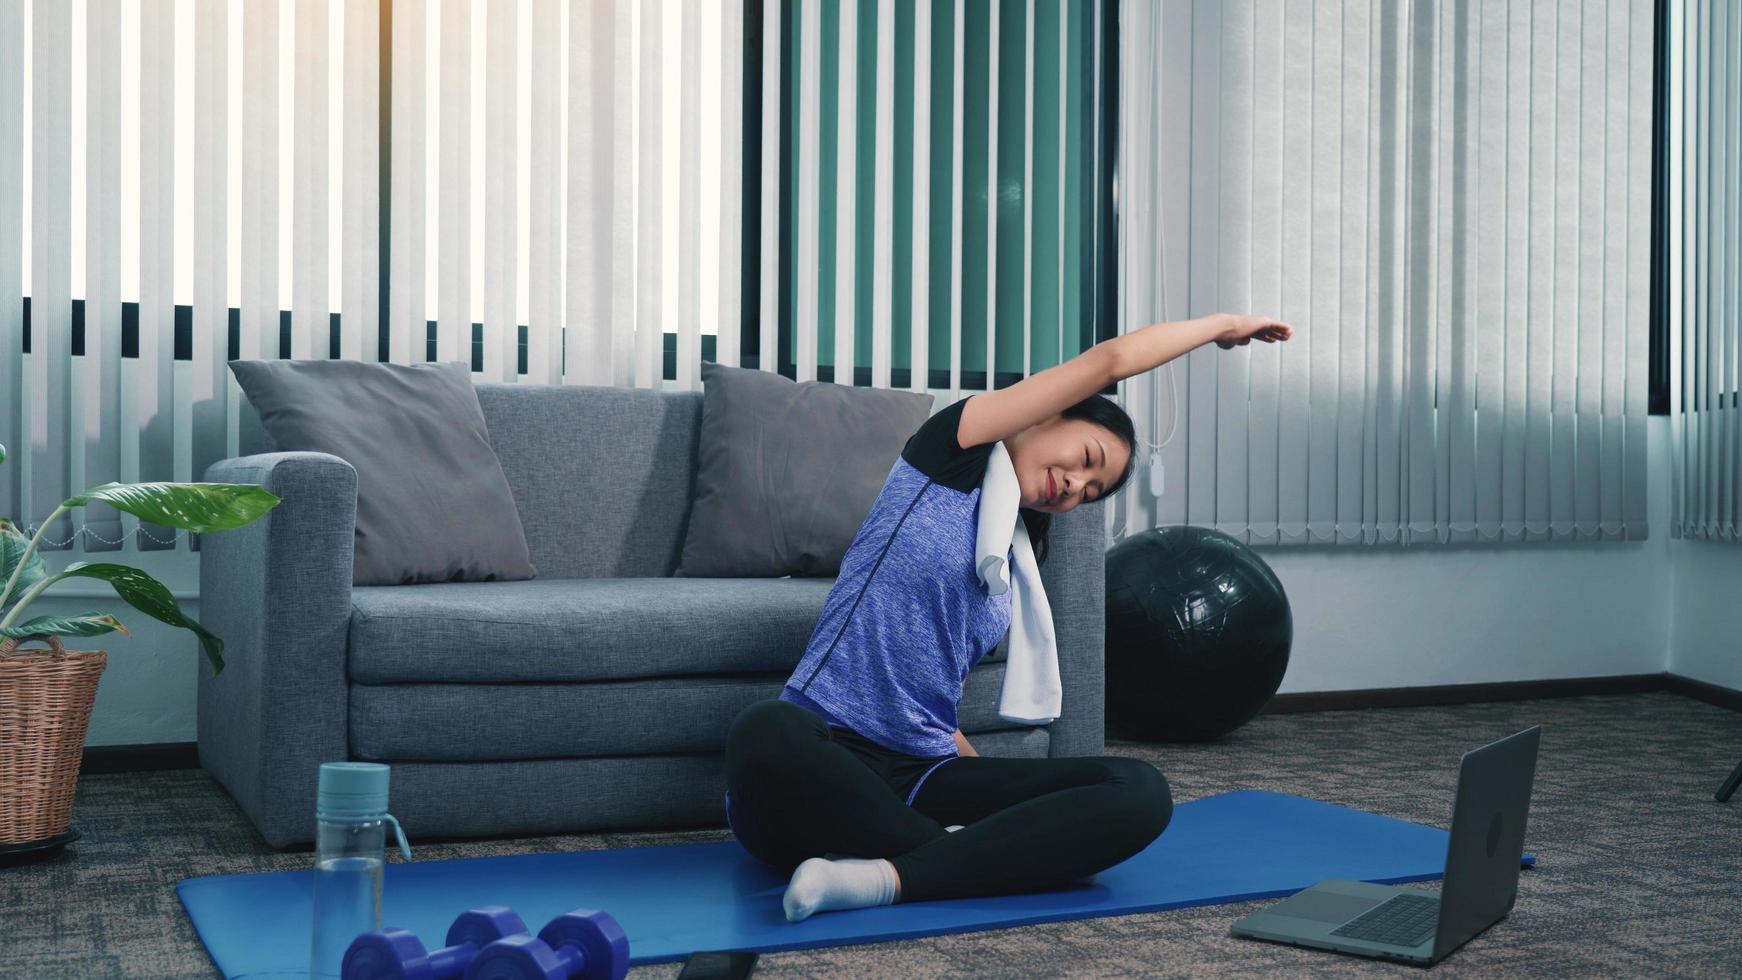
(1494, 835)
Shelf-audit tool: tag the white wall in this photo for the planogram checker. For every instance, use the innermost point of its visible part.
(146, 694)
(1402, 617)
(1705, 641)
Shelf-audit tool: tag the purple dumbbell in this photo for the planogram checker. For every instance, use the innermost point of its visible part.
(396, 954)
(582, 944)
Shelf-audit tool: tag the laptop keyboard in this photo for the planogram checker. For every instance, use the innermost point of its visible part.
(1406, 920)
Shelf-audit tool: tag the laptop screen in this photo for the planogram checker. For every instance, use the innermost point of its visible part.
(1487, 839)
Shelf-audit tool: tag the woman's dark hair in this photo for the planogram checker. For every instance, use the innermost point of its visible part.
(1107, 414)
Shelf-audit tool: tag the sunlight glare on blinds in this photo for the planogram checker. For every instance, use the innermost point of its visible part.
(1392, 180)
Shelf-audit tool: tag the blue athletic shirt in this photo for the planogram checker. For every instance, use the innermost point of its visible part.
(907, 617)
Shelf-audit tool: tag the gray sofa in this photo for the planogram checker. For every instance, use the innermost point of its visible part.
(595, 696)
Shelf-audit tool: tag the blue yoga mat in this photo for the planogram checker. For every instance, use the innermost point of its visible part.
(675, 900)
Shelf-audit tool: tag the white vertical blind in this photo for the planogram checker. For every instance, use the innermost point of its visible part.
(957, 179)
(638, 77)
(12, 409)
(1705, 268)
(258, 335)
(921, 168)
(1228, 223)
(898, 190)
(95, 421)
(501, 175)
(649, 165)
(453, 246)
(689, 205)
(256, 171)
(210, 239)
(408, 256)
(650, 208)
(50, 367)
(944, 205)
(808, 198)
(883, 272)
(593, 208)
(309, 305)
(1450, 203)
(624, 220)
(846, 188)
(769, 297)
(1204, 139)
(729, 89)
(1263, 283)
(155, 396)
(1067, 91)
(360, 295)
(1028, 176)
(992, 148)
(545, 217)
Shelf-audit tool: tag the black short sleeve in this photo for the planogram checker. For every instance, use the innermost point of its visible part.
(934, 451)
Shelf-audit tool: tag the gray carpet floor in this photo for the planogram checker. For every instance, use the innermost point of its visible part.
(1640, 875)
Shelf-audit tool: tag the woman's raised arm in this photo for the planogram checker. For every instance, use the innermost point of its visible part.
(993, 415)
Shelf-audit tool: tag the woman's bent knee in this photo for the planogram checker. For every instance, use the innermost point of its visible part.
(759, 770)
(766, 727)
(1149, 799)
(769, 714)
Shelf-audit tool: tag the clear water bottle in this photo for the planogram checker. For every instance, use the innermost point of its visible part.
(350, 853)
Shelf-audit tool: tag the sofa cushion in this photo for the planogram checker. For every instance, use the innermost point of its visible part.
(432, 502)
(475, 722)
(603, 476)
(580, 629)
(786, 471)
(650, 716)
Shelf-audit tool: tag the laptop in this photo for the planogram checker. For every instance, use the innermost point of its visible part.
(1407, 924)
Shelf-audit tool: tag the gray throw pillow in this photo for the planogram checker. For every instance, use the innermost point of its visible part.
(432, 502)
(788, 471)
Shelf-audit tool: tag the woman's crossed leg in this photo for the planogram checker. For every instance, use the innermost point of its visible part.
(1028, 824)
(1031, 824)
(801, 794)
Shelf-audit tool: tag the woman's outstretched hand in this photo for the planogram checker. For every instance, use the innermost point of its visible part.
(1239, 329)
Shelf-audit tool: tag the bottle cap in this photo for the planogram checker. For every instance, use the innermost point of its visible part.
(356, 791)
(352, 790)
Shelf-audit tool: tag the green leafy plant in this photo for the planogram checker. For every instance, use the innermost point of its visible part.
(199, 507)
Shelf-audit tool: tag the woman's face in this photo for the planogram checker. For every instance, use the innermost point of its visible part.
(1064, 462)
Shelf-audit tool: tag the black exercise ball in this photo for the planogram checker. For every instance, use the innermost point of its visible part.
(1198, 631)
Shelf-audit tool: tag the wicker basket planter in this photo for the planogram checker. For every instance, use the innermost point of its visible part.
(46, 691)
(45, 707)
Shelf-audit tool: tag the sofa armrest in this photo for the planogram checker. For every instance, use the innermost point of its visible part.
(1074, 576)
(278, 592)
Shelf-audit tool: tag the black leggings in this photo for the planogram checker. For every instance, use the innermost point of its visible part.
(801, 788)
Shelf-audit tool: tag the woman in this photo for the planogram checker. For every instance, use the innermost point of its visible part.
(856, 780)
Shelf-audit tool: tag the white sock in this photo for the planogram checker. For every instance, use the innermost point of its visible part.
(821, 885)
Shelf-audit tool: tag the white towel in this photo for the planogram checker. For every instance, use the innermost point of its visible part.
(1032, 692)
